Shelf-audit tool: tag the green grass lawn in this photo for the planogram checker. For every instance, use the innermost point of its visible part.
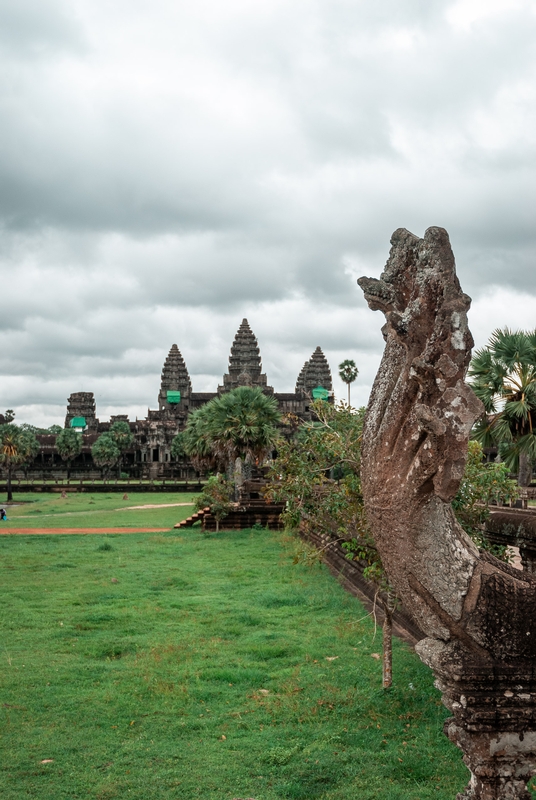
(96, 511)
(181, 665)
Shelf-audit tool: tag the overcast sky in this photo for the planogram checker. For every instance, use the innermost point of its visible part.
(168, 168)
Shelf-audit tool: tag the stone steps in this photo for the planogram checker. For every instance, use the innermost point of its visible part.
(189, 521)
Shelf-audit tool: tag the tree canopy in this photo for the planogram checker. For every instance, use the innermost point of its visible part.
(69, 445)
(217, 494)
(26, 426)
(482, 484)
(122, 435)
(316, 475)
(348, 373)
(239, 424)
(503, 376)
(17, 447)
(177, 446)
(105, 452)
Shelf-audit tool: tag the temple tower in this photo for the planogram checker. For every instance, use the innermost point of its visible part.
(244, 362)
(315, 375)
(81, 412)
(175, 386)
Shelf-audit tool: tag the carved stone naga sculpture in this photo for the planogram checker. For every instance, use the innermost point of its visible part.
(477, 612)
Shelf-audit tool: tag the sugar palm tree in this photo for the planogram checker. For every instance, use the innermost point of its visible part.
(69, 445)
(503, 376)
(105, 453)
(196, 441)
(124, 439)
(348, 372)
(239, 426)
(17, 447)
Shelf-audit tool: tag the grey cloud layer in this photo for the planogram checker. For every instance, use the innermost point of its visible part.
(166, 170)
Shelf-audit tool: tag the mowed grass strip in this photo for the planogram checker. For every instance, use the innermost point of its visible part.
(100, 510)
(208, 667)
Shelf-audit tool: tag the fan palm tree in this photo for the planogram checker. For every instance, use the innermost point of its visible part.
(124, 439)
(503, 376)
(69, 445)
(239, 425)
(17, 447)
(348, 372)
(105, 453)
(196, 441)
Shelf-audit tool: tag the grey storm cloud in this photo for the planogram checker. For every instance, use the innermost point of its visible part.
(166, 170)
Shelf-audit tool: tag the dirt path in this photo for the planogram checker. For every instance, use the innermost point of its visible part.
(81, 531)
(154, 505)
(97, 511)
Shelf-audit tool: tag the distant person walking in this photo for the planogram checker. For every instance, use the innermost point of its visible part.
(3, 514)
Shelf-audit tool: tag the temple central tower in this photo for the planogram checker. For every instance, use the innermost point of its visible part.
(245, 368)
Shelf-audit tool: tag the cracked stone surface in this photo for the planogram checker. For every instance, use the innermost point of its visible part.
(476, 611)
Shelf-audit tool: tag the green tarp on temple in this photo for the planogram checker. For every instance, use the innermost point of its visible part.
(173, 397)
(319, 393)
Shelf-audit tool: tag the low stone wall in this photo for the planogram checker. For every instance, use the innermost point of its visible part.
(515, 527)
(110, 486)
(350, 575)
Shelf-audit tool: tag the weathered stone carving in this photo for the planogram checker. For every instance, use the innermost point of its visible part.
(476, 612)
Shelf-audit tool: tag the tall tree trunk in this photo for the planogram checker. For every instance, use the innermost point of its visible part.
(238, 477)
(9, 489)
(387, 672)
(525, 470)
(387, 631)
(348, 394)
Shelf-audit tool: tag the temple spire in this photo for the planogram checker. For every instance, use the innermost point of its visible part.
(175, 384)
(315, 374)
(81, 412)
(245, 367)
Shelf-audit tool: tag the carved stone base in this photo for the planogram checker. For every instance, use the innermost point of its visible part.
(500, 764)
(493, 722)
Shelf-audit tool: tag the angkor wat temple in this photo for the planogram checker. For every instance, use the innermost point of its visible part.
(150, 456)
